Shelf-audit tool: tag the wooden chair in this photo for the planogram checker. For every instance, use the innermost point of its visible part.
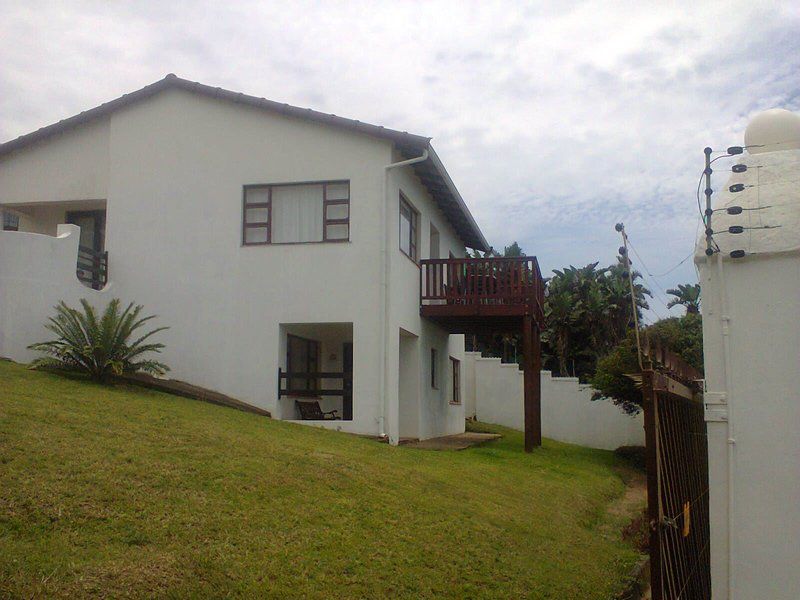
(310, 411)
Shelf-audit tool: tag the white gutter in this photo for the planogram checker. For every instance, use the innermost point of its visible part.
(385, 281)
(725, 321)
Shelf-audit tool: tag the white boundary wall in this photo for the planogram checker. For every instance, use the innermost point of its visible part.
(36, 272)
(494, 394)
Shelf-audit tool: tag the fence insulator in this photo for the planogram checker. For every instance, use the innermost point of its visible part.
(736, 187)
(735, 229)
(734, 210)
(739, 168)
(622, 251)
(737, 254)
(735, 150)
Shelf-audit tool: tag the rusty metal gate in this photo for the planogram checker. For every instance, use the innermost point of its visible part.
(677, 478)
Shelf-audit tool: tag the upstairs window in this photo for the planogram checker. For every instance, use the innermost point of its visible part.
(409, 229)
(296, 213)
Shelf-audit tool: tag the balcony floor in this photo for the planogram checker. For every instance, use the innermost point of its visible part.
(475, 318)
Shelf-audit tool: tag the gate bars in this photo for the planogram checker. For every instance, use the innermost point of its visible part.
(677, 478)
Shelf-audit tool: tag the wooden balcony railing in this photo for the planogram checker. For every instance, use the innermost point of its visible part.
(497, 282)
(92, 268)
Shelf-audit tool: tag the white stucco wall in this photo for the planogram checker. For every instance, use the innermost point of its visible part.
(751, 345)
(171, 170)
(568, 412)
(36, 271)
(69, 166)
(437, 416)
(763, 401)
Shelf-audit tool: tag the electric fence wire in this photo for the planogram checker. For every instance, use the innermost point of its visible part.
(652, 279)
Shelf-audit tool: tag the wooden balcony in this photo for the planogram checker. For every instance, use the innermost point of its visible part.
(492, 295)
(469, 295)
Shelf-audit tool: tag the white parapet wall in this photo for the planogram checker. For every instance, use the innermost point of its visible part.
(36, 272)
(494, 394)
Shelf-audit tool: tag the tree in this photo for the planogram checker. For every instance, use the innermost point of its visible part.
(682, 335)
(686, 295)
(588, 312)
(513, 251)
(99, 347)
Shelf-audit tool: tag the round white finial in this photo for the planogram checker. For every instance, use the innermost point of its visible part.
(772, 130)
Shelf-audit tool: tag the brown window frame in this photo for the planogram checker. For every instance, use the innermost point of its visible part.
(413, 241)
(434, 368)
(306, 384)
(455, 366)
(326, 202)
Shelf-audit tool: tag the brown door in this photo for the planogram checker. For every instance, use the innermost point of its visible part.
(347, 367)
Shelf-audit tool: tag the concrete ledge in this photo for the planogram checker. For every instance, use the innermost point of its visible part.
(459, 441)
(187, 390)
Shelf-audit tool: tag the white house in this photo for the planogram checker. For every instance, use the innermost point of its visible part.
(267, 237)
(751, 338)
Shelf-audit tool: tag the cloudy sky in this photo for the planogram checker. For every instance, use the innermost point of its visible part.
(555, 119)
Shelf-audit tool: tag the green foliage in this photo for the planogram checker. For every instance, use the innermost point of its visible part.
(588, 312)
(682, 335)
(99, 347)
(686, 295)
(513, 251)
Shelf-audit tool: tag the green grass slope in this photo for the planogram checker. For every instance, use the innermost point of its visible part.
(128, 492)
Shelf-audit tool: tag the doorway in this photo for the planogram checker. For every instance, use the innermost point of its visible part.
(408, 385)
(93, 227)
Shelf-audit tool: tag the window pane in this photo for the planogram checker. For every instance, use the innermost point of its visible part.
(256, 215)
(256, 195)
(255, 235)
(297, 213)
(337, 211)
(405, 234)
(337, 232)
(338, 191)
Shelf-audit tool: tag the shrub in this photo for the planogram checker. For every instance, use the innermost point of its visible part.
(99, 347)
(682, 335)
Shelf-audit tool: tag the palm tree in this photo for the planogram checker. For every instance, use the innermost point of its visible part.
(560, 316)
(686, 295)
(99, 347)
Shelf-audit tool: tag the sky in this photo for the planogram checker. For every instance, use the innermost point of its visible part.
(556, 120)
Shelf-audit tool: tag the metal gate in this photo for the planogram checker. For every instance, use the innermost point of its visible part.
(677, 478)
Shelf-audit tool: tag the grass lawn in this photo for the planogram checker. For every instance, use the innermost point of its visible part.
(128, 492)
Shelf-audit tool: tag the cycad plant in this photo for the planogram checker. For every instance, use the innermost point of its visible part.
(99, 347)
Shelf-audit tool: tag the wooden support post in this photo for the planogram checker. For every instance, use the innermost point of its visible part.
(532, 383)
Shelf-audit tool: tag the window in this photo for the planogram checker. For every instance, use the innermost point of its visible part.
(10, 221)
(296, 213)
(455, 369)
(302, 356)
(434, 370)
(409, 228)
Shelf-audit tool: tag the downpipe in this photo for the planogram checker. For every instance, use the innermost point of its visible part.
(726, 352)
